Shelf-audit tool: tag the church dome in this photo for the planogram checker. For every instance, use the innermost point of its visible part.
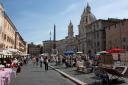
(87, 17)
(92, 17)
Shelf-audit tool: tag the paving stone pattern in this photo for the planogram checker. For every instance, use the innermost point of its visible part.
(38, 76)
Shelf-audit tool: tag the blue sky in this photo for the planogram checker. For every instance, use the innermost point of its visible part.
(34, 19)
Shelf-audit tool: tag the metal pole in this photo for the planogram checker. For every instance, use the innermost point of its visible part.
(50, 45)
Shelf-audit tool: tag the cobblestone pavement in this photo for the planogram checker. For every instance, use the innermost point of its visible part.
(37, 76)
(87, 78)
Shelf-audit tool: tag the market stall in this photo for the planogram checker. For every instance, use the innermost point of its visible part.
(120, 55)
(104, 58)
(8, 55)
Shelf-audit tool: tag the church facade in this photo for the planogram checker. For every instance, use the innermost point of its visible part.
(69, 43)
(92, 36)
(70, 39)
(86, 18)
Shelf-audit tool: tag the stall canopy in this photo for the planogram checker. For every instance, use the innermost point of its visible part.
(10, 51)
(1, 50)
(116, 50)
(68, 53)
(104, 57)
(79, 52)
(102, 52)
(44, 54)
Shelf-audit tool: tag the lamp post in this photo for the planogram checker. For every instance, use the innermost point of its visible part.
(50, 45)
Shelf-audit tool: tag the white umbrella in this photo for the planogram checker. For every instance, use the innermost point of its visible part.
(79, 52)
(102, 52)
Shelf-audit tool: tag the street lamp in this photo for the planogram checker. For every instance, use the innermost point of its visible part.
(50, 45)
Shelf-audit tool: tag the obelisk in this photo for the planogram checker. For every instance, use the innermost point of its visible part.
(54, 40)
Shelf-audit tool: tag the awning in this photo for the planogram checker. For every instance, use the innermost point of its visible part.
(10, 51)
(79, 52)
(68, 52)
(44, 54)
(116, 50)
(102, 52)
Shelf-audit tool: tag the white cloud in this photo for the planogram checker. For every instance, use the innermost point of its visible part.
(38, 42)
(69, 9)
(90, 0)
(114, 9)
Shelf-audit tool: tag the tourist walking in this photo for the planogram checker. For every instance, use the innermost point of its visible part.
(41, 61)
(18, 68)
(57, 59)
(33, 61)
(24, 59)
(37, 60)
(46, 63)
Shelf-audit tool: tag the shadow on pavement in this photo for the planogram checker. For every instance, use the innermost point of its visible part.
(116, 81)
(111, 82)
(41, 70)
(38, 71)
(60, 68)
(78, 73)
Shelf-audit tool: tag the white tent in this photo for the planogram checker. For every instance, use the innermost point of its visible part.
(10, 51)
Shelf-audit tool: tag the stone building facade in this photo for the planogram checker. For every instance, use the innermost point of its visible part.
(61, 46)
(47, 46)
(20, 43)
(86, 18)
(95, 35)
(92, 37)
(117, 35)
(7, 30)
(8, 33)
(35, 50)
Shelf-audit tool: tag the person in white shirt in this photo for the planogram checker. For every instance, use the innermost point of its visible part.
(41, 61)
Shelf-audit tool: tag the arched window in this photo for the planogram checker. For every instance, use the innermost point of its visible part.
(86, 19)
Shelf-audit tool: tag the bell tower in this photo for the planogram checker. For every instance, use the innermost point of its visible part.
(70, 30)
